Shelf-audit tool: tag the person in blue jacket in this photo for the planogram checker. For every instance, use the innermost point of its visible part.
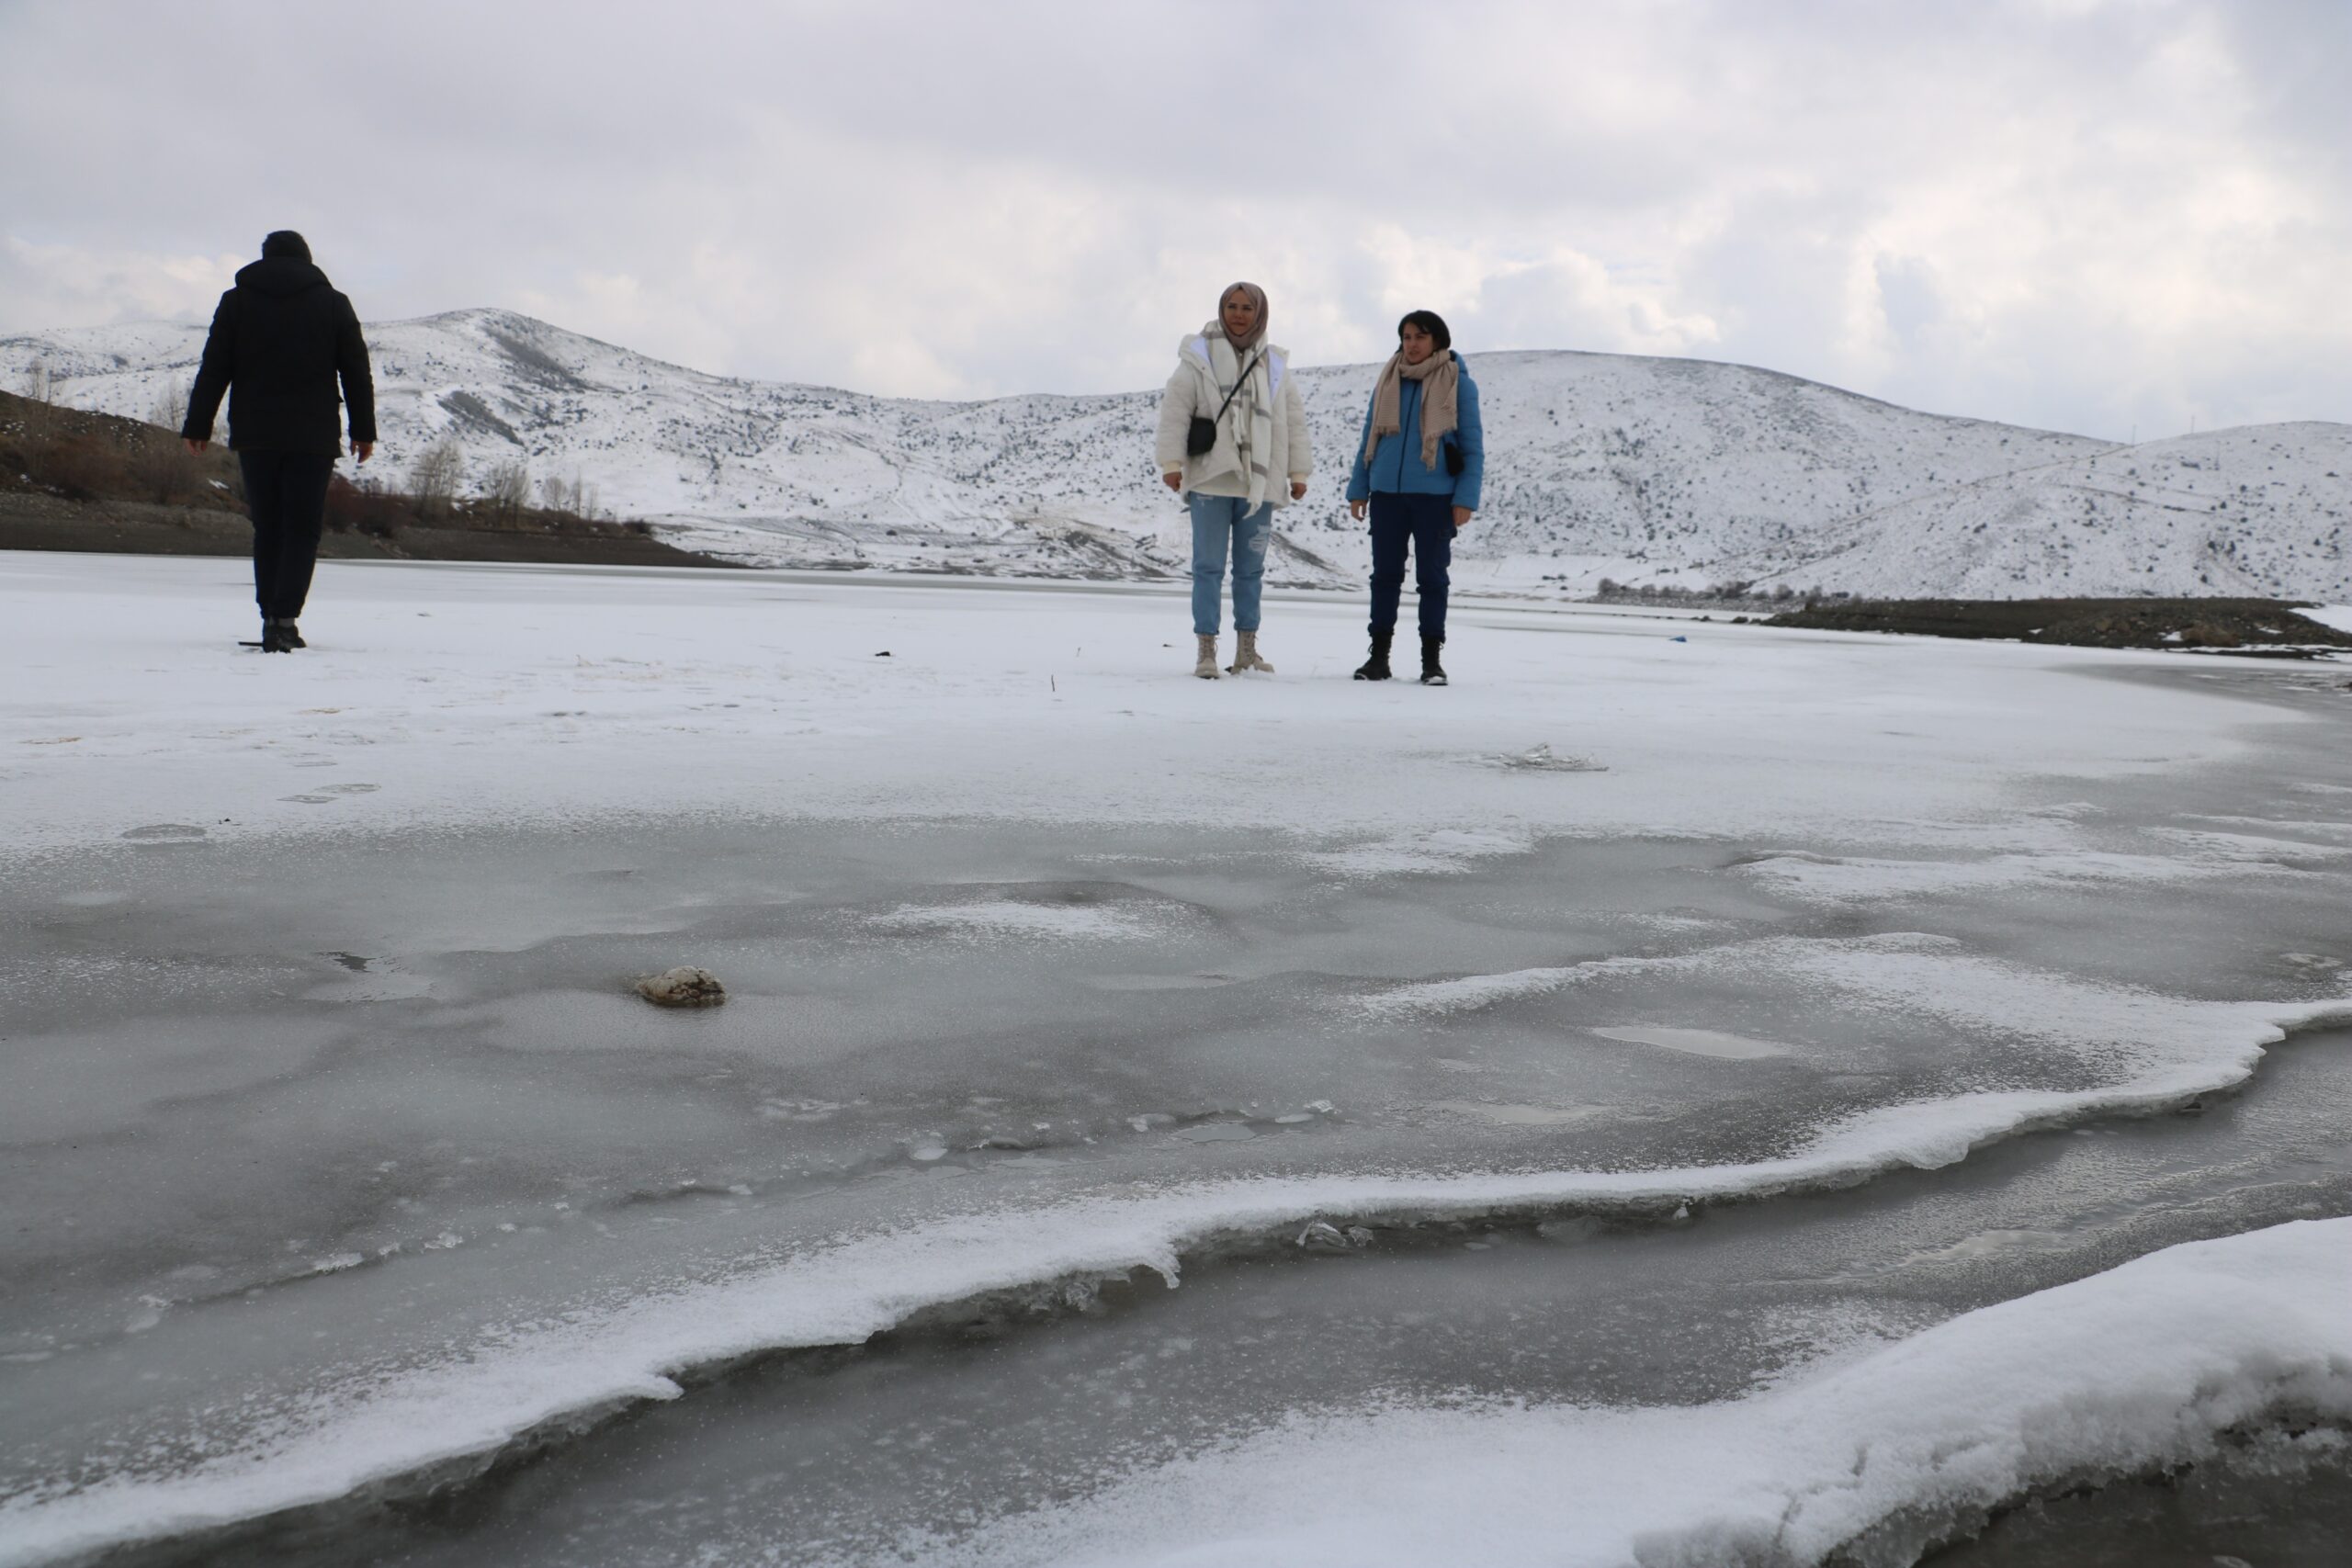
(1417, 470)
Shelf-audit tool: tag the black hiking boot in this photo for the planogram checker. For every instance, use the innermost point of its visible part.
(270, 642)
(1432, 673)
(289, 635)
(1376, 666)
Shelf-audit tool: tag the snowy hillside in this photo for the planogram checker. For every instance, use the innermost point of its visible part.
(1646, 470)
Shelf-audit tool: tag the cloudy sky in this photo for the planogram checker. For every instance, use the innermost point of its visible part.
(2094, 215)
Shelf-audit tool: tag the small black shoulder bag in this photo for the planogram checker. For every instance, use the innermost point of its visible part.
(1202, 434)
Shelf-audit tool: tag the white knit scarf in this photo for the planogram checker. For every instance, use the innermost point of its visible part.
(1244, 436)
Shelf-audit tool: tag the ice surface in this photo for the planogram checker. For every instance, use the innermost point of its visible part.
(341, 1150)
(669, 692)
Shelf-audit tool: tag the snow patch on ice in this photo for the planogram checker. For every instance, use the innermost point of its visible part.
(1693, 1042)
(1439, 997)
(2120, 1031)
(1822, 880)
(1007, 918)
(1442, 853)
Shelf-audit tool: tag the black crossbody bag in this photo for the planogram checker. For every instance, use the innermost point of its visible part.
(1202, 434)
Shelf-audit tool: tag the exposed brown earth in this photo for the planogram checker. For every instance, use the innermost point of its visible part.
(73, 480)
(2257, 628)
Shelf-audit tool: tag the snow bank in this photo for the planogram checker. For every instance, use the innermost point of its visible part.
(2121, 1374)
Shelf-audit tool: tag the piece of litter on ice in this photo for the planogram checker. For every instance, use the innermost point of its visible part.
(684, 987)
(1677, 640)
(884, 654)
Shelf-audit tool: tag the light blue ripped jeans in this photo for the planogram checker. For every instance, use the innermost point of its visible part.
(1224, 526)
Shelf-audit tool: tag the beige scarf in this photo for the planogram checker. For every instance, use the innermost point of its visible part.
(1440, 379)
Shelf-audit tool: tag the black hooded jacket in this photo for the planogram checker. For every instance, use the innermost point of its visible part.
(280, 339)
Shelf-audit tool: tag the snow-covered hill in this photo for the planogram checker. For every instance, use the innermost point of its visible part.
(1645, 470)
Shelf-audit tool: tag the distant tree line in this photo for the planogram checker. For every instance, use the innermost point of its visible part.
(435, 494)
(1611, 591)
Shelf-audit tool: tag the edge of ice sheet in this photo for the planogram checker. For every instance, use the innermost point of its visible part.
(2110, 1376)
(369, 1435)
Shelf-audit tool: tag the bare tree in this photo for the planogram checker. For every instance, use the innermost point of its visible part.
(573, 496)
(432, 478)
(169, 408)
(508, 488)
(40, 384)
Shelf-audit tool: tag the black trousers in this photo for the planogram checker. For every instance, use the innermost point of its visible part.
(1426, 523)
(286, 494)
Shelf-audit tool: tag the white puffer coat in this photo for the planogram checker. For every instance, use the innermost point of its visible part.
(1193, 389)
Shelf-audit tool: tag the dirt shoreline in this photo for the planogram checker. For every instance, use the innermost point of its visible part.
(2256, 627)
(36, 521)
(73, 479)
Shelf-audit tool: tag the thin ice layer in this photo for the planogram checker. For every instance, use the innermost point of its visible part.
(365, 1434)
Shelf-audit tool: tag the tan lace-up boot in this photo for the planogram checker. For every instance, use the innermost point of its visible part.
(1245, 657)
(1205, 665)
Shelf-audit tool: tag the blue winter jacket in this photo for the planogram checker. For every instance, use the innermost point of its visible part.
(1396, 467)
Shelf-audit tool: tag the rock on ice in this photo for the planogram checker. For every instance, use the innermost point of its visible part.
(684, 987)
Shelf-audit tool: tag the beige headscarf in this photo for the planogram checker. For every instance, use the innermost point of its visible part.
(1258, 333)
(1441, 380)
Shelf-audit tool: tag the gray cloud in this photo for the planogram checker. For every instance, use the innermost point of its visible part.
(2089, 214)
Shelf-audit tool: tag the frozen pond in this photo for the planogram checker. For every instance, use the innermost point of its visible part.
(1604, 1056)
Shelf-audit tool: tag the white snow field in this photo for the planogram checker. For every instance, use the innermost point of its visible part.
(1684, 1093)
(1669, 471)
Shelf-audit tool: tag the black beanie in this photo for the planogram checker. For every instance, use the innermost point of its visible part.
(285, 243)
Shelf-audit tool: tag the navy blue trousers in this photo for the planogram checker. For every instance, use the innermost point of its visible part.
(286, 494)
(1426, 524)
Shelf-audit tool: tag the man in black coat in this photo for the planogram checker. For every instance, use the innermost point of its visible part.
(280, 340)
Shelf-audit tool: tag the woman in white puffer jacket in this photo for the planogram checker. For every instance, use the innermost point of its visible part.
(1229, 375)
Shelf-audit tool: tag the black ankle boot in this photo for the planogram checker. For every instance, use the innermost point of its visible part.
(1376, 666)
(1432, 673)
(289, 635)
